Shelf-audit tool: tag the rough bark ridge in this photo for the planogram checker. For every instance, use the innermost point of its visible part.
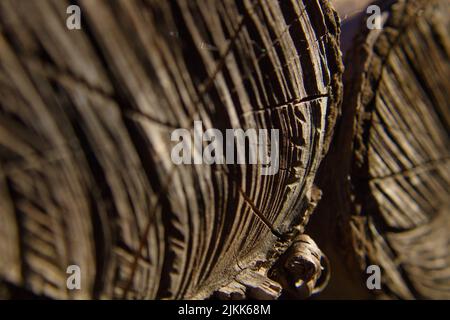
(392, 183)
(85, 121)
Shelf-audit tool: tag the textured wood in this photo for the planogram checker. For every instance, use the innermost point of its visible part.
(85, 120)
(390, 190)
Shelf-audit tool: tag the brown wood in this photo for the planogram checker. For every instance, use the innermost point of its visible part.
(86, 176)
(388, 172)
(85, 120)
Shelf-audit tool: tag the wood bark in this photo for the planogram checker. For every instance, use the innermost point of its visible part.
(86, 115)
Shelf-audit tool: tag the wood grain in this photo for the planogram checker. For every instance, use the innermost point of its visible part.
(85, 120)
(388, 170)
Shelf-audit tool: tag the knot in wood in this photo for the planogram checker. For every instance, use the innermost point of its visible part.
(303, 259)
(303, 269)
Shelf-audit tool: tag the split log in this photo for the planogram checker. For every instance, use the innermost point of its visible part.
(86, 176)
(387, 178)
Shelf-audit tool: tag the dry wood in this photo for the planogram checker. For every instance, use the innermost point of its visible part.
(388, 170)
(85, 120)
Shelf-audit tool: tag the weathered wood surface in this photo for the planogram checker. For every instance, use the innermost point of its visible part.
(85, 120)
(388, 171)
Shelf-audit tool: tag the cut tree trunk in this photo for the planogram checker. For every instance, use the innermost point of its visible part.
(86, 176)
(387, 178)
